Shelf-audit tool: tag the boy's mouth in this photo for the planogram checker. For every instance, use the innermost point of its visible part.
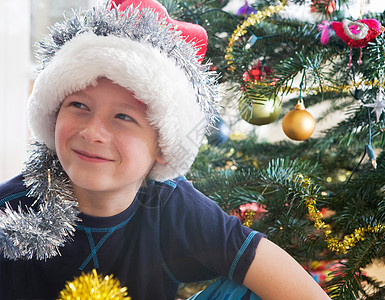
(91, 157)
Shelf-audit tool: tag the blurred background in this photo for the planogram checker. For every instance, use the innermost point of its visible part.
(22, 24)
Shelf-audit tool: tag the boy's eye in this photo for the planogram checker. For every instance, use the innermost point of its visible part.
(78, 105)
(124, 117)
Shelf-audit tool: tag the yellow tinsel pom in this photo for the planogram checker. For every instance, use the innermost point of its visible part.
(249, 217)
(92, 286)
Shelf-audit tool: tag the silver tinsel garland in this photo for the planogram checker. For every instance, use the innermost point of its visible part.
(39, 231)
(144, 26)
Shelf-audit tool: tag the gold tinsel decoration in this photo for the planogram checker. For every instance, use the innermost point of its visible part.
(323, 89)
(92, 286)
(241, 29)
(334, 244)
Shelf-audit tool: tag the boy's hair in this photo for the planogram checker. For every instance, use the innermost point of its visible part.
(140, 48)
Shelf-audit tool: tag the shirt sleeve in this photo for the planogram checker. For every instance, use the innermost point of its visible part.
(199, 241)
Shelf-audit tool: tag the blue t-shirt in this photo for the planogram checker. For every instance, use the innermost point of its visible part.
(170, 234)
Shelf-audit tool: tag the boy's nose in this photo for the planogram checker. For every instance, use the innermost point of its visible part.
(95, 131)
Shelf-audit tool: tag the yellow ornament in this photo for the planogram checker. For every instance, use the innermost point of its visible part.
(298, 124)
(260, 112)
(92, 286)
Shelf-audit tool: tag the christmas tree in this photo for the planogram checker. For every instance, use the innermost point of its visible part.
(321, 199)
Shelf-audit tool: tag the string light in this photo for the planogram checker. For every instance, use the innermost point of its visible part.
(241, 29)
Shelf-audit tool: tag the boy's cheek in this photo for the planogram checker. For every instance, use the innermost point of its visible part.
(62, 131)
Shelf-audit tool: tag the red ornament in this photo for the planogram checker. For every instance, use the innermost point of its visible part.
(259, 72)
(249, 212)
(323, 5)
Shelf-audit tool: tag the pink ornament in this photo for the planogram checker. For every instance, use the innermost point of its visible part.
(356, 34)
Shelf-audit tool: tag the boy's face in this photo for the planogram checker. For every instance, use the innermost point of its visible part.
(103, 139)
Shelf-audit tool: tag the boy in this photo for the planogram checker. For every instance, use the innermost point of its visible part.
(117, 113)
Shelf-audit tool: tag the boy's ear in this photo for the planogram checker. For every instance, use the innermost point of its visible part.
(160, 160)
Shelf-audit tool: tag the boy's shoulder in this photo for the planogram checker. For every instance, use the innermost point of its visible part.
(178, 188)
(178, 182)
(179, 185)
(180, 193)
(13, 189)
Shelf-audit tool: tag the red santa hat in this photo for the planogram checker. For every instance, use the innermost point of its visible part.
(139, 47)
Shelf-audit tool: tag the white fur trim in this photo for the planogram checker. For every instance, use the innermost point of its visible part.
(139, 67)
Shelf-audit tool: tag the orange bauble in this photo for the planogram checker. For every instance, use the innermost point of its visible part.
(298, 124)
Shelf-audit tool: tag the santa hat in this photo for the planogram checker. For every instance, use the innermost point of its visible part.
(139, 47)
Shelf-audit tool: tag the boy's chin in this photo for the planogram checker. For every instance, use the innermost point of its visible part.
(103, 184)
(90, 183)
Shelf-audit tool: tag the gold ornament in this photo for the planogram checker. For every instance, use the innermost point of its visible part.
(92, 286)
(298, 124)
(260, 112)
